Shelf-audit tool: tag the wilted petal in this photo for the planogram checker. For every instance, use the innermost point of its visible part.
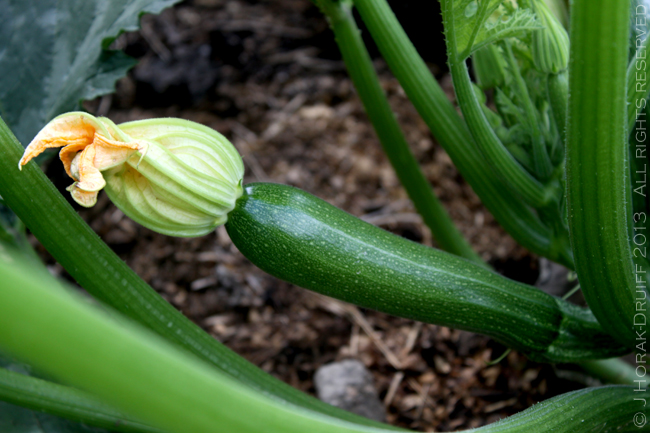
(111, 153)
(68, 129)
(67, 155)
(90, 178)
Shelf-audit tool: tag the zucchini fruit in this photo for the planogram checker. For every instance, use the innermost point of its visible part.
(302, 239)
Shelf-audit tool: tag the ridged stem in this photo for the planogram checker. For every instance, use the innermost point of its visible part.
(499, 158)
(638, 74)
(599, 194)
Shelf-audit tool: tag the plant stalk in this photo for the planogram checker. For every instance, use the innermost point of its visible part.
(598, 185)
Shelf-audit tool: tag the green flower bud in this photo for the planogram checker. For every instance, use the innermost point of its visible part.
(550, 47)
(185, 184)
(173, 176)
(489, 67)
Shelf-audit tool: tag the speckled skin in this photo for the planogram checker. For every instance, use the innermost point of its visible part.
(302, 239)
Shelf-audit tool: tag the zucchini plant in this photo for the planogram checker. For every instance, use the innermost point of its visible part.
(547, 138)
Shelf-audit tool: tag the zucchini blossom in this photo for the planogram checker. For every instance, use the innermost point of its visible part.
(174, 176)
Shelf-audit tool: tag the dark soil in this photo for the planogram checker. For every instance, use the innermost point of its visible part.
(268, 75)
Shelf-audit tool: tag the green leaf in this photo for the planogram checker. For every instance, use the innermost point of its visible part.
(53, 55)
(478, 23)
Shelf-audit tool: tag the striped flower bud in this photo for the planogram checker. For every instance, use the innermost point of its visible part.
(550, 47)
(173, 176)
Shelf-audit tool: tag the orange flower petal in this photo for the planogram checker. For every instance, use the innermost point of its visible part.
(67, 154)
(90, 178)
(77, 129)
(110, 153)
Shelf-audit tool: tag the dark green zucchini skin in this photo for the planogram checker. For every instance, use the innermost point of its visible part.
(302, 239)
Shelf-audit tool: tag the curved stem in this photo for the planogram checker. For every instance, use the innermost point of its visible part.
(135, 370)
(500, 159)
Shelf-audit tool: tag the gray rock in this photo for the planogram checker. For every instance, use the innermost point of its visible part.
(553, 278)
(350, 386)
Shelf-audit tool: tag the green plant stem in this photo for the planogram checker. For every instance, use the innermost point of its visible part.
(135, 370)
(597, 164)
(140, 373)
(364, 77)
(500, 159)
(66, 402)
(452, 133)
(541, 160)
(105, 276)
(614, 371)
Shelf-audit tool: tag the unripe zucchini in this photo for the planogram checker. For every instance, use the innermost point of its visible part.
(302, 239)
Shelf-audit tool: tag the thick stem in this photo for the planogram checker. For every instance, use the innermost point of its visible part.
(638, 72)
(599, 195)
(135, 370)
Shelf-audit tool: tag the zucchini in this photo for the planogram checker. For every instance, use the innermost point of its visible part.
(302, 239)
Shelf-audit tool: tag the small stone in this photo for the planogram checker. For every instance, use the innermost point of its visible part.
(349, 386)
(553, 278)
